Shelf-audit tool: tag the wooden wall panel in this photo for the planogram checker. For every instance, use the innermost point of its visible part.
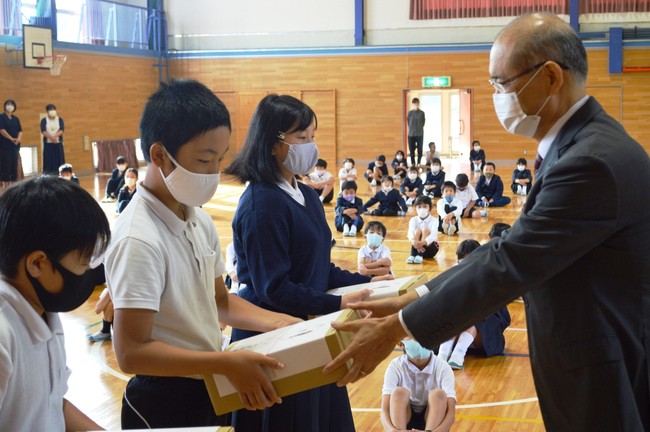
(324, 105)
(369, 89)
(100, 96)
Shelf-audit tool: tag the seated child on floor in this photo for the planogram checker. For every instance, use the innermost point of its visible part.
(423, 232)
(411, 186)
(484, 338)
(390, 201)
(522, 179)
(376, 170)
(374, 258)
(418, 391)
(400, 168)
(489, 188)
(321, 181)
(449, 210)
(348, 210)
(468, 197)
(348, 172)
(434, 180)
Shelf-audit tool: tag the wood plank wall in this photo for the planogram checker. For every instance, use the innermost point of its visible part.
(100, 96)
(368, 94)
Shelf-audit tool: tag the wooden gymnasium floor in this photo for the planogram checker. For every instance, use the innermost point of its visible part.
(494, 394)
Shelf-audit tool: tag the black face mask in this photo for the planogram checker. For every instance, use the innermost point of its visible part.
(76, 290)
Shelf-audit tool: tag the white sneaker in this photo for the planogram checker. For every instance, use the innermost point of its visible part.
(451, 230)
(410, 260)
(353, 231)
(518, 189)
(401, 213)
(418, 260)
(524, 189)
(346, 229)
(409, 202)
(373, 183)
(483, 213)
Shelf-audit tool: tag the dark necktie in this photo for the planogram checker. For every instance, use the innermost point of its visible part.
(538, 162)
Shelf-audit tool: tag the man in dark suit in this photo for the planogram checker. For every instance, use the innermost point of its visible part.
(579, 253)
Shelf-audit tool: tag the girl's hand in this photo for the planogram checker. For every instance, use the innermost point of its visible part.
(382, 278)
(354, 297)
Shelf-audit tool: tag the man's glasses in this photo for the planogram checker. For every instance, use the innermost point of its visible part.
(501, 86)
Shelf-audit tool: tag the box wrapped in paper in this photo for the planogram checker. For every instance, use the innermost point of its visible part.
(383, 289)
(304, 349)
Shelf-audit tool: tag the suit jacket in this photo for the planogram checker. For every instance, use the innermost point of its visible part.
(489, 191)
(580, 253)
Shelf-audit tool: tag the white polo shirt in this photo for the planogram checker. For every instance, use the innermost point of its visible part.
(436, 375)
(159, 262)
(33, 371)
(374, 254)
(429, 223)
(467, 195)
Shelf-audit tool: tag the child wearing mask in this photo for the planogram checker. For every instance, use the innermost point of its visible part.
(466, 193)
(348, 210)
(418, 391)
(477, 157)
(400, 168)
(449, 210)
(128, 190)
(423, 232)
(434, 179)
(164, 272)
(45, 268)
(376, 170)
(321, 181)
(484, 338)
(489, 188)
(348, 172)
(390, 201)
(115, 183)
(374, 258)
(522, 179)
(412, 186)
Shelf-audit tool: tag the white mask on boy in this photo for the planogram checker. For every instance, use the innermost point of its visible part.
(189, 188)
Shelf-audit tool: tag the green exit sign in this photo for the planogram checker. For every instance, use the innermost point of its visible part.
(436, 81)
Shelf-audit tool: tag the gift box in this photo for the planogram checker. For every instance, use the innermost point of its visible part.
(304, 349)
(384, 289)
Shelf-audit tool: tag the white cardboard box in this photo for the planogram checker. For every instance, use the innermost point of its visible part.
(304, 349)
(384, 289)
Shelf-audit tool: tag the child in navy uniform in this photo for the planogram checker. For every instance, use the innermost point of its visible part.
(412, 186)
(400, 168)
(376, 170)
(348, 210)
(522, 179)
(116, 182)
(434, 180)
(390, 201)
(489, 188)
(66, 172)
(477, 157)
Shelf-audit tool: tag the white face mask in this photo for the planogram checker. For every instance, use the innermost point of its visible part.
(52, 113)
(399, 157)
(10, 108)
(511, 114)
(348, 165)
(422, 212)
(301, 158)
(387, 189)
(130, 182)
(521, 167)
(413, 176)
(435, 169)
(190, 188)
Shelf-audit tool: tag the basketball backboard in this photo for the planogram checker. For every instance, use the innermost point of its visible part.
(37, 44)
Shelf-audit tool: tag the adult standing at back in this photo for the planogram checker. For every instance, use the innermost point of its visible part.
(579, 252)
(416, 119)
(282, 242)
(52, 130)
(11, 135)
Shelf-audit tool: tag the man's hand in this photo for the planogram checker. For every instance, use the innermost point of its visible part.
(374, 339)
(387, 306)
(354, 297)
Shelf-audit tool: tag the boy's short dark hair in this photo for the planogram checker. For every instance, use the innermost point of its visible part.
(466, 247)
(476, 142)
(432, 144)
(349, 184)
(462, 180)
(436, 161)
(449, 184)
(491, 164)
(65, 168)
(423, 199)
(413, 168)
(322, 163)
(50, 214)
(50, 106)
(498, 229)
(387, 178)
(121, 160)
(274, 115)
(522, 161)
(415, 100)
(381, 158)
(349, 160)
(178, 112)
(378, 226)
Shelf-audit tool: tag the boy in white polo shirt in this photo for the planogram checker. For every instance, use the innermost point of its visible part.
(44, 269)
(418, 391)
(164, 271)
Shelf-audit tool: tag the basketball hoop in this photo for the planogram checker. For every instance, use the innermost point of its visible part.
(54, 62)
